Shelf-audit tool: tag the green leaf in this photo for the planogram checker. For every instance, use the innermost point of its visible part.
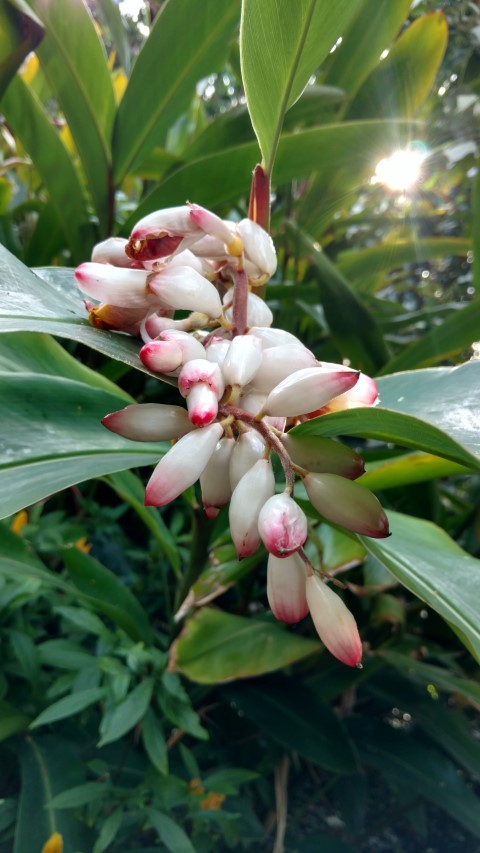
(418, 768)
(65, 654)
(74, 63)
(24, 352)
(281, 46)
(375, 25)
(401, 82)
(159, 92)
(434, 410)
(107, 594)
(71, 445)
(170, 833)
(127, 714)
(435, 677)
(225, 176)
(216, 646)
(118, 31)
(432, 566)
(367, 267)
(80, 795)
(48, 766)
(130, 488)
(353, 328)
(457, 333)
(292, 714)
(20, 32)
(154, 742)
(108, 832)
(30, 122)
(408, 468)
(68, 706)
(53, 304)
(12, 721)
(228, 781)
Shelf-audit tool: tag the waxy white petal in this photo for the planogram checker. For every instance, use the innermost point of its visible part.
(308, 389)
(286, 593)
(282, 525)
(258, 247)
(215, 482)
(161, 356)
(272, 337)
(183, 288)
(242, 360)
(248, 497)
(114, 285)
(249, 448)
(279, 362)
(334, 623)
(202, 405)
(149, 422)
(182, 465)
(111, 251)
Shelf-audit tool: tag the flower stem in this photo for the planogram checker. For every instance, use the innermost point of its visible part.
(240, 300)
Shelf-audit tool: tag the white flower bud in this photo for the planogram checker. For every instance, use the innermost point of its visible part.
(182, 465)
(286, 579)
(334, 623)
(308, 389)
(215, 481)
(148, 422)
(248, 497)
(249, 448)
(282, 525)
(114, 285)
(279, 362)
(348, 504)
(242, 360)
(111, 251)
(183, 288)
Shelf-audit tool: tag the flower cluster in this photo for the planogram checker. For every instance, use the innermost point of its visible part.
(245, 385)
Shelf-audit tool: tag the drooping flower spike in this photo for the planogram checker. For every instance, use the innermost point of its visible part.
(244, 385)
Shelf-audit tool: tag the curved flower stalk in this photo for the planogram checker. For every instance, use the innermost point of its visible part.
(245, 385)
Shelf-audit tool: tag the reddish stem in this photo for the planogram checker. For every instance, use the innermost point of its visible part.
(240, 302)
(259, 205)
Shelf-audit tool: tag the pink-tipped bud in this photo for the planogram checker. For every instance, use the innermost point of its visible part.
(182, 465)
(212, 225)
(242, 360)
(259, 249)
(114, 285)
(148, 422)
(347, 503)
(323, 455)
(191, 348)
(111, 251)
(282, 526)
(364, 393)
(279, 362)
(215, 482)
(286, 579)
(334, 623)
(161, 356)
(162, 233)
(307, 389)
(248, 497)
(249, 448)
(201, 383)
(185, 289)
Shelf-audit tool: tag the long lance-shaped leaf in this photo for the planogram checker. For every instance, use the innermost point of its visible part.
(225, 176)
(53, 305)
(430, 564)
(352, 326)
(52, 437)
(20, 32)
(375, 25)
(368, 266)
(281, 45)
(118, 31)
(435, 410)
(457, 333)
(187, 42)
(400, 84)
(29, 121)
(74, 63)
(476, 229)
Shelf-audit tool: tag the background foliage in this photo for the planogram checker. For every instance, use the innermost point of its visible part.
(123, 726)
